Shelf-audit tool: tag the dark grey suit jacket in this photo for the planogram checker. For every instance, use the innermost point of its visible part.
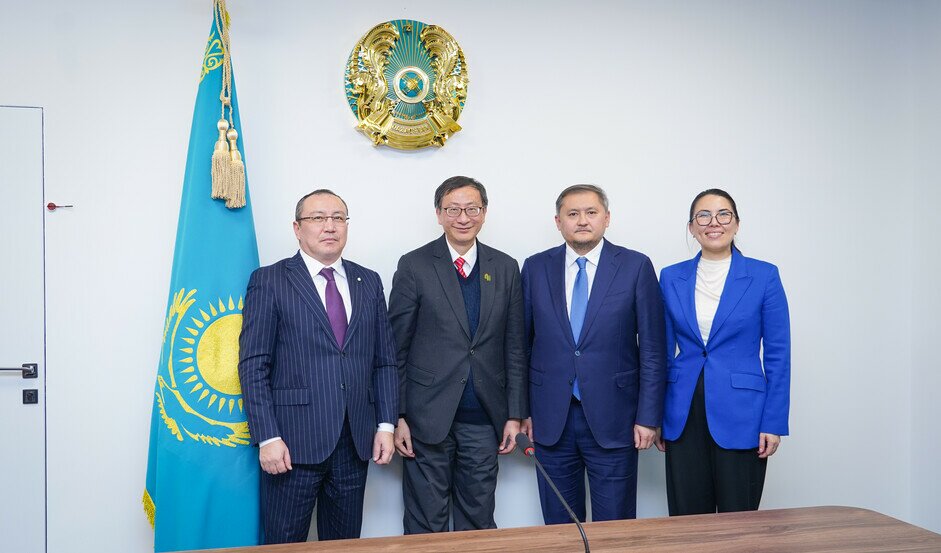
(436, 350)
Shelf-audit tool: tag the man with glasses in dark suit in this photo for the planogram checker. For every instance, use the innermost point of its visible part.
(318, 374)
(457, 312)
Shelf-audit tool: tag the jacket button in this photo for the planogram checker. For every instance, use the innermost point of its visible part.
(571, 381)
(578, 353)
(704, 353)
(342, 386)
(463, 381)
(472, 352)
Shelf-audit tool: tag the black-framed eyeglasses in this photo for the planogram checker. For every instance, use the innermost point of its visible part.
(322, 219)
(723, 217)
(471, 211)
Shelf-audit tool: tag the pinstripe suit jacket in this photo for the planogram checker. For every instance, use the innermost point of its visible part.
(297, 382)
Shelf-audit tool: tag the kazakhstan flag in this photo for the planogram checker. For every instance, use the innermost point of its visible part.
(202, 473)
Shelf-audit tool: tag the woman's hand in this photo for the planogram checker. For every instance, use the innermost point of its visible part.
(767, 444)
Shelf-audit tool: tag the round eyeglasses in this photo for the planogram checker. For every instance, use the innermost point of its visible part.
(704, 218)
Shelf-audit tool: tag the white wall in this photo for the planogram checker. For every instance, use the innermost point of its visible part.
(926, 266)
(813, 115)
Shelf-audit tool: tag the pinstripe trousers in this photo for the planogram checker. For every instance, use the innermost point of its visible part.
(336, 486)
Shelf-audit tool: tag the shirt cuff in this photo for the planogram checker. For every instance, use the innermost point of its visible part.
(269, 441)
(386, 427)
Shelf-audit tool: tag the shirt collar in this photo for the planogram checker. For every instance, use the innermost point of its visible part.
(314, 266)
(470, 257)
(593, 257)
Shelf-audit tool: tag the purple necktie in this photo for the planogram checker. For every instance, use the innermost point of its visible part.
(336, 312)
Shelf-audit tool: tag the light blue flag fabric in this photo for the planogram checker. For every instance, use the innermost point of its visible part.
(202, 488)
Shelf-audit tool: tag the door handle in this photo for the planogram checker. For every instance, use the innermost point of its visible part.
(29, 370)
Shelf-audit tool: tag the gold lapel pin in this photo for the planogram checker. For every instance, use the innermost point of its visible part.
(487, 277)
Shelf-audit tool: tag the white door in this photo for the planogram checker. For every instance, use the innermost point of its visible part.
(22, 329)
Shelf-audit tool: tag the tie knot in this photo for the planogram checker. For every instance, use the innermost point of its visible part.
(327, 273)
(459, 263)
(581, 262)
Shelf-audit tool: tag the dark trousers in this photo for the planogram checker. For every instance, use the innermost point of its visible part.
(612, 474)
(705, 478)
(461, 471)
(335, 486)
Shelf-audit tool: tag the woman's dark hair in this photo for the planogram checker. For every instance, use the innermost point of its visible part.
(715, 192)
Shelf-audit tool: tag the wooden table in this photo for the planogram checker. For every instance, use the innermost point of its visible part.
(819, 529)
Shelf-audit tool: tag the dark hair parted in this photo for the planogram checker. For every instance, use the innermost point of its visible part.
(318, 192)
(575, 189)
(453, 183)
(715, 192)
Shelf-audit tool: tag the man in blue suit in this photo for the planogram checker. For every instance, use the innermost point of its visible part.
(595, 328)
(318, 374)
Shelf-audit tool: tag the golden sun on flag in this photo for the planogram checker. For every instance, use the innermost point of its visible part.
(215, 337)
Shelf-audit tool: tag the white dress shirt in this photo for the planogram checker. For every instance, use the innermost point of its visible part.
(320, 282)
(571, 270)
(470, 258)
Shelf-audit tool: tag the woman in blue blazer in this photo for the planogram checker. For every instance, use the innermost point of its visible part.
(728, 367)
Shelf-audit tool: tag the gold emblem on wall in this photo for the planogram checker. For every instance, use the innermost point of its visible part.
(406, 83)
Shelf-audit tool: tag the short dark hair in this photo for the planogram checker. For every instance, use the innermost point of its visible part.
(722, 194)
(575, 189)
(318, 192)
(453, 183)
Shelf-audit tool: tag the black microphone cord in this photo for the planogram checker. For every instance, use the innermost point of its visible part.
(526, 447)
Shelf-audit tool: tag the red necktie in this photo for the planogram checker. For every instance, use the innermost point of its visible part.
(459, 263)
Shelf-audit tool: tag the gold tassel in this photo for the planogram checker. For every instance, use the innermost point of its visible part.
(220, 163)
(235, 194)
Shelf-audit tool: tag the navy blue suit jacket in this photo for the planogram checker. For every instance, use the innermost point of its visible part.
(619, 357)
(747, 360)
(297, 382)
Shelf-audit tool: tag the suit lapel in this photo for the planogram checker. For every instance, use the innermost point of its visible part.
(685, 288)
(452, 289)
(555, 274)
(608, 265)
(355, 283)
(300, 279)
(736, 284)
(487, 290)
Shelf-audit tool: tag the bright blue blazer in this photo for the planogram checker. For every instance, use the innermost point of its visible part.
(747, 392)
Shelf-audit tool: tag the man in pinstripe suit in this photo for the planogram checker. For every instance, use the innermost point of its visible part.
(318, 374)
(457, 311)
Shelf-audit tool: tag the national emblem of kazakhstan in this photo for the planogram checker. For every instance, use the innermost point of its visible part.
(198, 389)
(406, 82)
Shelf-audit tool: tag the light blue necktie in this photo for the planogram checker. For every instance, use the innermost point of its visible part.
(578, 308)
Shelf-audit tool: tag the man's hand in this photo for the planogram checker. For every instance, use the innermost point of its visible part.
(510, 430)
(403, 439)
(526, 427)
(767, 444)
(644, 436)
(382, 448)
(274, 457)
